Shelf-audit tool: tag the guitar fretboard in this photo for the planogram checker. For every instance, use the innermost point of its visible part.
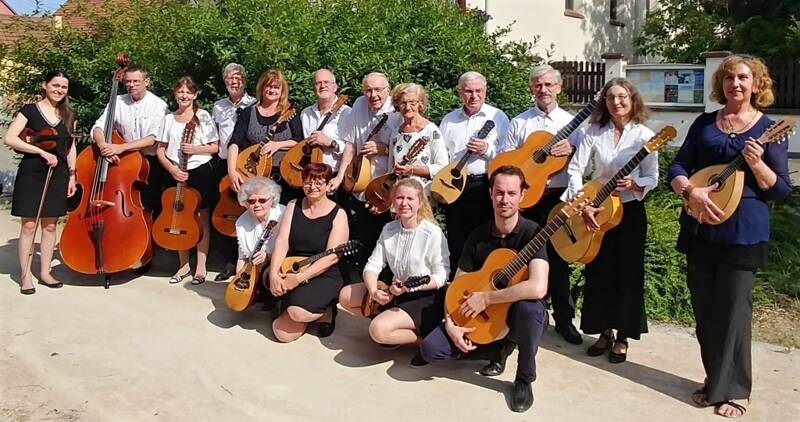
(567, 130)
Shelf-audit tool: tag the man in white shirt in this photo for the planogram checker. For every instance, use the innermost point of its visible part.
(331, 137)
(544, 83)
(225, 113)
(459, 128)
(138, 116)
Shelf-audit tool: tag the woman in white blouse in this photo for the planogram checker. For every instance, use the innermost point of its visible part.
(412, 245)
(614, 292)
(199, 174)
(260, 197)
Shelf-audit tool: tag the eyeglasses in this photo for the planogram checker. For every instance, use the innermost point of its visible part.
(412, 103)
(375, 90)
(620, 97)
(314, 182)
(321, 83)
(252, 201)
(547, 85)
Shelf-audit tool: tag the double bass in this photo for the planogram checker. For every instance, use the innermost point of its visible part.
(109, 230)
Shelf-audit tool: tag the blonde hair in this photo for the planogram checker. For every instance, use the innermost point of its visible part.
(274, 75)
(410, 88)
(425, 212)
(762, 84)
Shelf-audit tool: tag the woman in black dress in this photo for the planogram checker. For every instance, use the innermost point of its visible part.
(309, 226)
(52, 112)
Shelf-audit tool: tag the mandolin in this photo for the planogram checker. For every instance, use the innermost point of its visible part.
(295, 264)
(573, 241)
(359, 171)
(534, 158)
(729, 178)
(449, 182)
(378, 191)
(371, 308)
(250, 161)
(178, 227)
(502, 268)
(242, 287)
(301, 154)
(227, 210)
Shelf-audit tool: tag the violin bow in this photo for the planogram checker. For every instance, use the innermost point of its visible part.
(38, 217)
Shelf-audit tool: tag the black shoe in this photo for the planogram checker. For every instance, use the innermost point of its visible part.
(521, 396)
(497, 365)
(324, 329)
(26, 292)
(570, 333)
(229, 272)
(418, 361)
(56, 285)
(143, 269)
(596, 349)
(614, 357)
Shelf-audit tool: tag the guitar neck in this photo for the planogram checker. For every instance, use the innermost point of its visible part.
(314, 258)
(527, 253)
(611, 185)
(263, 238)
(463, 161)
(571, 126)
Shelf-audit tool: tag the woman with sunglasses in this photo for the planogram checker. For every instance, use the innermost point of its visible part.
(309, 226)
(613, 298)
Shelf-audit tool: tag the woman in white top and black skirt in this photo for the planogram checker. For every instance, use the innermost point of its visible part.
(614, 292)
(200, 172)
(413, 245)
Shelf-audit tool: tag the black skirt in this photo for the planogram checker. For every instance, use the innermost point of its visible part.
(426, 309)
(204, 180)
(318, 294)
(29, 186)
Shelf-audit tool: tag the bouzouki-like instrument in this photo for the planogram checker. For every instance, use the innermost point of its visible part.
(573, 241)
(378, 191)
(178, 227)
(448, 184)
(371, 308)
(295, 264)
(108, 231)
(301, 154)
(250, 161)
(502, 268)
(242, 287)
(534, 158)
(729, 178)
(227, 210)
(359, 171)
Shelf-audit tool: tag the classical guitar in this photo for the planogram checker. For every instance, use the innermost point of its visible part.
(378, 191)
(359, 171)
(301, 154)
(729, 178)
(371, 308)
(502, 268)
(227, 210)
(449, 182)
(534, 158)
(250, 161)
(178, 227)
(242, 287)
(573, 241)
(295, 264)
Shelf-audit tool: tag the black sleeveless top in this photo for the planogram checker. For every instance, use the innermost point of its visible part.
(309, 236)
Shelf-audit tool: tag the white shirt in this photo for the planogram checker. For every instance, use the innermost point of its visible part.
(535, 119)
(135, 120)
(224, 113)
(172, 134)
(411, 252)
(249, 230)
(433, 154)
(597, 148)
(362, 120)
(457, 128)
(337, 128)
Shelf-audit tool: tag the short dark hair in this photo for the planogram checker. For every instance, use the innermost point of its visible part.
(136, 67)
(508, 171)
(317, 171)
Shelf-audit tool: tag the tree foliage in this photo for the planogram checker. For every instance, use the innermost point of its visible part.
(426, 41)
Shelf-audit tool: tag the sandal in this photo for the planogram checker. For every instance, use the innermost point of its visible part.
(177, 278)
(742, 409)
(596, 350)
(198, 280)
(700, 397)
(615, 357)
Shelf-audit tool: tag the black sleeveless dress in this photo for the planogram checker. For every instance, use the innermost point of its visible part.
(32, 172)
(309, 237)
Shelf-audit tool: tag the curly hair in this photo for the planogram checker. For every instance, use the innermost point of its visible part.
(410, 88)
(762, 84)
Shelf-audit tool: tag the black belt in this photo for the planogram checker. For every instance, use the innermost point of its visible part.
(554, 191)
(477, 177)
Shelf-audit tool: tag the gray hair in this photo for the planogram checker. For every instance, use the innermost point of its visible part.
(378, 74)
(234, 67)
(541, 70)
(470, 76)
(314, 75)
(258, 184)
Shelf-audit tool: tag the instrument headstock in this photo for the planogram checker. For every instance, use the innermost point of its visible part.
(778, 131)
(286, 115)
(663, 136)
(340, 101)
(348, 248)
(575, 205)
(485, 129)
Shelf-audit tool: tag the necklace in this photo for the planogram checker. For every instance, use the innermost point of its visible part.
(732, 132)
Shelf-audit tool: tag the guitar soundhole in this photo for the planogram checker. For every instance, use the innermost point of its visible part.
(456, 173)
(177, 206)
(539, 157)
(715, 180)
(295, 267)
(307, 149)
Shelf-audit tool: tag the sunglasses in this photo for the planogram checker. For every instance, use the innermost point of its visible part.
(259, 200)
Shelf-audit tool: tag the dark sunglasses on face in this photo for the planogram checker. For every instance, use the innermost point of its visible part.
(253, 201)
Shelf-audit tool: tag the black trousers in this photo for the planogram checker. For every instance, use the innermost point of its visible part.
(722, 301)
(473, 208)
(527, 320)
(365, 227)
(558, 279)
(151, 194)
(224, 245)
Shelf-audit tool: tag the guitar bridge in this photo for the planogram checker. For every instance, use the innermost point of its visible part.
(173, 231)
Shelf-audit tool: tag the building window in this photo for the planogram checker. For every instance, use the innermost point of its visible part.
(613, 15)
(572, 9)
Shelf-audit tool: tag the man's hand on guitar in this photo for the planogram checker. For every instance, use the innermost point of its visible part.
(370, 148)
(259, 257)
(477, 146)
(589, 218)
(702, 207)
(562, 148)
(178, 174)
(319, 138)
(627, 183)
(458, 335)
(474, 304)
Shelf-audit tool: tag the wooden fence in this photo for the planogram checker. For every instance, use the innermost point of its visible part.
(786, 76)
(581, 79)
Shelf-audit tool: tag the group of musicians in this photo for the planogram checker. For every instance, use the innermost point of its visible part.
(405, 260)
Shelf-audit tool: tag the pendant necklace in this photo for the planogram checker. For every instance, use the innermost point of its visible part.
(732, 132)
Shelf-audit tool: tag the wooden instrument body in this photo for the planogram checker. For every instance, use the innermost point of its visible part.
(290, 264)
(125, 235)
(726, 197)
(490, 325)
(295, 159)
(45, 138)
(358, 174)
(448, 184)
(371, 308)
(378, 192)
(241, 287)
(536, 172)
(573, 241)
(250, 162)
(178, 227)
(227, 210)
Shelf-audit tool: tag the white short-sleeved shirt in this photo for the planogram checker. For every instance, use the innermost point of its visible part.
(249, 231)
(363, 119)
(172, 134)
(135, 120)
(457, 128)
(225, 113)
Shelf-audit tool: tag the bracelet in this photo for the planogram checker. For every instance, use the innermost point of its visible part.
(72, 172)
(686, 191)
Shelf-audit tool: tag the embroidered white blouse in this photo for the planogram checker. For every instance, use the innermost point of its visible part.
(172, 134)
(433, 154)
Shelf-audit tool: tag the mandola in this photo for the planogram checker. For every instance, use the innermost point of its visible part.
(449, 182)
(242, 287)
(378, 191)
(370, 308)
(250, 161)
(295, 264)
(358, 173)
